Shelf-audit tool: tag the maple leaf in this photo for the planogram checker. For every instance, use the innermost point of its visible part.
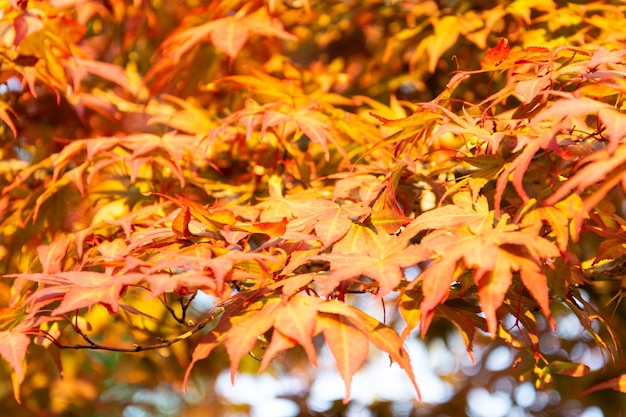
(11, 317)
(172, 144)
(446, 32)
(462, 125)
(570, 107)
(78, 297)
(51, 256)
(296, 320)
(109, 72)
(214, 219)
(466, 318)
(492, 287)
(383, 337)
(144, 239)
(555, 217)
(217, 335)
(208, 281)
(618, 384)
(493, 253)
(246, 328)
(366, 186)
(333, 224)
(385, 267)
(436, 280)
(492, 270)
(615, 123)
(295, 283)
(79, 289)
(596, 167)
(449, 216)
(535, 280)
(274, 229)
(262, 115)
(267, 89)
(568, 368)
(364, 240)
(229, 34)
(330, 220)
(117, 250)
(387, 215)
(13, 345)
(202, 350)
(409, 309)
(317, 128)
(519, 166)
(528, 90)
(180, 226)
(278, 343)
(190, 118)
(496, 55)
(348, 345)
(5, 116)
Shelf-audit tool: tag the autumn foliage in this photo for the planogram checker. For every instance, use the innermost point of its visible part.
(455, 164)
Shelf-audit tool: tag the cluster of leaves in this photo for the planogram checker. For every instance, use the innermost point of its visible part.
(265, 153)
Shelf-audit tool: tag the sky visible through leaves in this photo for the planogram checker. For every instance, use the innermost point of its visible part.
(379, 381)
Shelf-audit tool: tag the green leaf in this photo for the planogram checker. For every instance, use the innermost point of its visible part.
(568, 368)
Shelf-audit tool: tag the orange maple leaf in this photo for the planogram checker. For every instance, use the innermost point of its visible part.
(496, 55)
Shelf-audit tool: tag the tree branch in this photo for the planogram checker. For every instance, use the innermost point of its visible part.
(214, 312)
(184, 305)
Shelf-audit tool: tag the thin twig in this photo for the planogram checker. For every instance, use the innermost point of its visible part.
(184, 305)
(163, 343)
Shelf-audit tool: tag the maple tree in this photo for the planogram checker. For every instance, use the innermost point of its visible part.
(463, 166)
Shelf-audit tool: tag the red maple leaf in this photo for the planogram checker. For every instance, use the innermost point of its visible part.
(496, 55)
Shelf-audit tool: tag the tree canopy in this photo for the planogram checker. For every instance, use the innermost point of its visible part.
(189, 187)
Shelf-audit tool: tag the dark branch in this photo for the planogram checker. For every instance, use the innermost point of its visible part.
(184, 303)
(163, 343)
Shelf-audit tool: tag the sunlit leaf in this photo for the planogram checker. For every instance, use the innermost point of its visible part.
(13, 345)
(617, 384)
(246, 330)
(5, 115)
(300, 330)
(386, 268)
(51, 256)
(383, 337)
(568, 368)
(496, 55)
(439, 43)
(348, 345)
(247, 177)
